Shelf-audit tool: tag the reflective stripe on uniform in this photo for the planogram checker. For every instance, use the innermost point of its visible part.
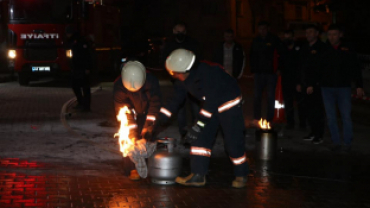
(239, 160)
(205, 113)
(278, 105)
(200, 151)
(226, 106)
(201, 124)
(165, 112)
(150, 118)
(133, 111)
(132, 126)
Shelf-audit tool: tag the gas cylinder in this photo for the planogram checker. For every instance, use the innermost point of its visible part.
(165, 164)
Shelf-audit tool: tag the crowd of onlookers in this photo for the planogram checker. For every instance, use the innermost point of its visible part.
(316, 76)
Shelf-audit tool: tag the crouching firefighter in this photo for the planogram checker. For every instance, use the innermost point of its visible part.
(139, 91)
(221, 106)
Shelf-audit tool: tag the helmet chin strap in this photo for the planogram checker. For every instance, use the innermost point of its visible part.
(133, 84)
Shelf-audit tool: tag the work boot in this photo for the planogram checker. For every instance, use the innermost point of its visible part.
(134, 175)
(239, 182)
(309, 137)
(192, 180)
(317, 140)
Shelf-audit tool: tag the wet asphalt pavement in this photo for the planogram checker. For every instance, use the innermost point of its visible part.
(69, 172)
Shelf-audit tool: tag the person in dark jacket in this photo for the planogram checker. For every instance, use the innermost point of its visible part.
(230, 55)
(140, 92)
(182, 40)
(288, 67)
(81, 67)
(339, 69)
(221, 106)
(311, 57)
(264, 54)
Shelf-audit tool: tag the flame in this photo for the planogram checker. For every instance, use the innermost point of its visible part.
(124, 141)
(264, 124)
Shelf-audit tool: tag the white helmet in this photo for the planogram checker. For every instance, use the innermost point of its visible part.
(133, 75)
(180, 61)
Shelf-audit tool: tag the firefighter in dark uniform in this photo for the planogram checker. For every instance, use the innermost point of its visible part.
(81, 67)
(221, 98)
(311, 57)
(139, 91)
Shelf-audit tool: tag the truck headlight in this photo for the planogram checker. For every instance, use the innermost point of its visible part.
(69, 53)
(12, 54)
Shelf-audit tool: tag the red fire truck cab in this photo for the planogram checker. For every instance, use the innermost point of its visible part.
(36, 33)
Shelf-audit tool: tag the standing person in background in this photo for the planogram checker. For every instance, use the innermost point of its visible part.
(265, 51)
(230, 55)
(311, 57)
(82, 64)
(182, 40)
(288, 67)
(339, 68)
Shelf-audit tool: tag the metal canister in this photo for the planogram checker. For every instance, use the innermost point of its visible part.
(165, 164)
(266, 144)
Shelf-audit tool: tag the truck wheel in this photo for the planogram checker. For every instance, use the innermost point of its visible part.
(23, 79)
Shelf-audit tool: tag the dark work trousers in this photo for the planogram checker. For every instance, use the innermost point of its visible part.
(81, 88)
(290, 95)
(182, 113)
(315, 111)
(262, 81)
(232, 125)
(128, 165)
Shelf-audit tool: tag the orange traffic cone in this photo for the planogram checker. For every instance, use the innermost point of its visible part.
(279, 116)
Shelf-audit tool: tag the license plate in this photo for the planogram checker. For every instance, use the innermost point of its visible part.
(41, 68)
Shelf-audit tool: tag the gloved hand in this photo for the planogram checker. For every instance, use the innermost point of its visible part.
(193, 133)
(147, 132)
(133, 134)
(140, 145)
(148, 135)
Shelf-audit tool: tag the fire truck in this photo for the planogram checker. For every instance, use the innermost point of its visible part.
(36, 33)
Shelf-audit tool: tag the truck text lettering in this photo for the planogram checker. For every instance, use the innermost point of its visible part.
(39, 36)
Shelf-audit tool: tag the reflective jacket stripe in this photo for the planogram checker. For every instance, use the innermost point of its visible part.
(132, 126)
(278, 105)
(205, 113)
(165, 112)
(201, 124)
(200, 151)
(239, 160)
(226, 106)
(150, 118)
